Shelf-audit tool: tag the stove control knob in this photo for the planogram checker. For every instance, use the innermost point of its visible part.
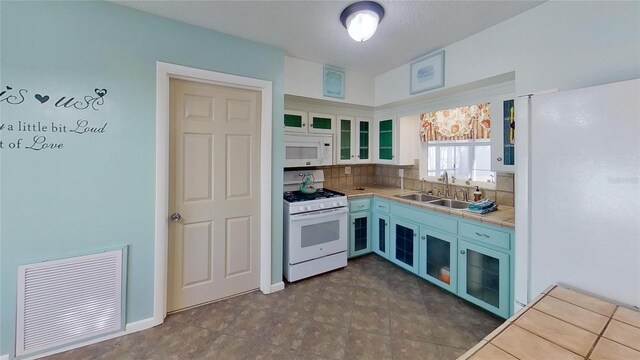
(301, 208)
(321, 206)
(334, 204)
(309, 208)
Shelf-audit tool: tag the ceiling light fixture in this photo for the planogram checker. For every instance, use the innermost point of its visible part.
(361, 19)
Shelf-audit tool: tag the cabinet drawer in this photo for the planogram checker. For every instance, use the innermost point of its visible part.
(485, 235)
(424, 217)
(359, 204)
(381, 206)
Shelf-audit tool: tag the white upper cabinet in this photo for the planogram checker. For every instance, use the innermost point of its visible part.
(303, 122)
(295, 121)
(353, 138)
(322, 123)
(395, 140)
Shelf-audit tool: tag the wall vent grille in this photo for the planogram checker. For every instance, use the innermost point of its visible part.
(65, 301)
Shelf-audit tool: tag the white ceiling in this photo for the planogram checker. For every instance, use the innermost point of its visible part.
(311, 30)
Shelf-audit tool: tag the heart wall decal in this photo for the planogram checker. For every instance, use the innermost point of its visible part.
(101, 92)
(41, 98)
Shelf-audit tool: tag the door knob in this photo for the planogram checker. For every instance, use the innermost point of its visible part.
(175, 217)
(462, 252)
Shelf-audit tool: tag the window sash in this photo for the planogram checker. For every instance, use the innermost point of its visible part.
(434, 160)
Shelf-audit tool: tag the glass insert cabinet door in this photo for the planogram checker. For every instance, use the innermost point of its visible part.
(380, 240)
(321, 123)
(484, 277)
(295, 121)
(503, 133)
(438, 260)
(508, 134)
(345, 138)
(363, 140)
(359, 237)
(404, 244)
(353, 138)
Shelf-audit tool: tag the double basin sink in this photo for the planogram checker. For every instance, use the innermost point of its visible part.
(435, 200)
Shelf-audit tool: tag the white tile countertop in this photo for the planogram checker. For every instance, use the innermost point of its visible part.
(504, 216)
(564, 324)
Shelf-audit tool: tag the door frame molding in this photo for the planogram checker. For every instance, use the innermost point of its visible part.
(165, 72)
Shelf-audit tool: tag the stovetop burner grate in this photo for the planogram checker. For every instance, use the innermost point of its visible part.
(298, 196)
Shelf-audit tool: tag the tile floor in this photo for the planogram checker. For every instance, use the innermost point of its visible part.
(369, 310)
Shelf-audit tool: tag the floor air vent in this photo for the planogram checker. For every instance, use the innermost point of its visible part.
(65, 301)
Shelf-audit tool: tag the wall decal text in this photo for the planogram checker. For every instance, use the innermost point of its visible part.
(41, 135)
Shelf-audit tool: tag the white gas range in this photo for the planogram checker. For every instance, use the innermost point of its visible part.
(315, 227)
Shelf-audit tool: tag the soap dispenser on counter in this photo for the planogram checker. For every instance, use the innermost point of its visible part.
(477, 195)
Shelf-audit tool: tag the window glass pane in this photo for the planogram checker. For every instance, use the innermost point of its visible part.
(482, 157)
(482, 164)
(461, 167)
(483, 176)
(447, 158)
(431, 161)
(455, 161)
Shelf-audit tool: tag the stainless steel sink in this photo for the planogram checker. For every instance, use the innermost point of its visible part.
(454, 204)
(418, 197)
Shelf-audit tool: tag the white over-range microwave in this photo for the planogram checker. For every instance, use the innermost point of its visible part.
(308, 150)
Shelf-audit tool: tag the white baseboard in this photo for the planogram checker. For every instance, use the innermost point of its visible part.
(140, 325)
(276, 287)
(130, 328)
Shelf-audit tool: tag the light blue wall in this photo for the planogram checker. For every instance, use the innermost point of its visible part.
(98, 191)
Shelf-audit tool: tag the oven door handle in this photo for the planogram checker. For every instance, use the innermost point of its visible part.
(317, 214)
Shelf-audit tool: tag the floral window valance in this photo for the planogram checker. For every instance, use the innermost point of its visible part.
(463, 123)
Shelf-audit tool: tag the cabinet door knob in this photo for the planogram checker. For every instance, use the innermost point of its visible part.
(424, 237)
(462, 252)
(499, 159)
(175, 217)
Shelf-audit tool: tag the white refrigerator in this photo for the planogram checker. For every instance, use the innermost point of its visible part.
(578, 192)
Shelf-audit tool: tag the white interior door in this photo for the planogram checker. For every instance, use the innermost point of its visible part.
(214, 185)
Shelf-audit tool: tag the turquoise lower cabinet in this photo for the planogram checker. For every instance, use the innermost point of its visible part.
(380, 227)
(359, 234)
(471, 259)
(483, 277)
(380, 236)
(404, 244)
(438, 259)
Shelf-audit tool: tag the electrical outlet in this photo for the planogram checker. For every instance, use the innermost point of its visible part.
(347, 170)
(401, 172)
